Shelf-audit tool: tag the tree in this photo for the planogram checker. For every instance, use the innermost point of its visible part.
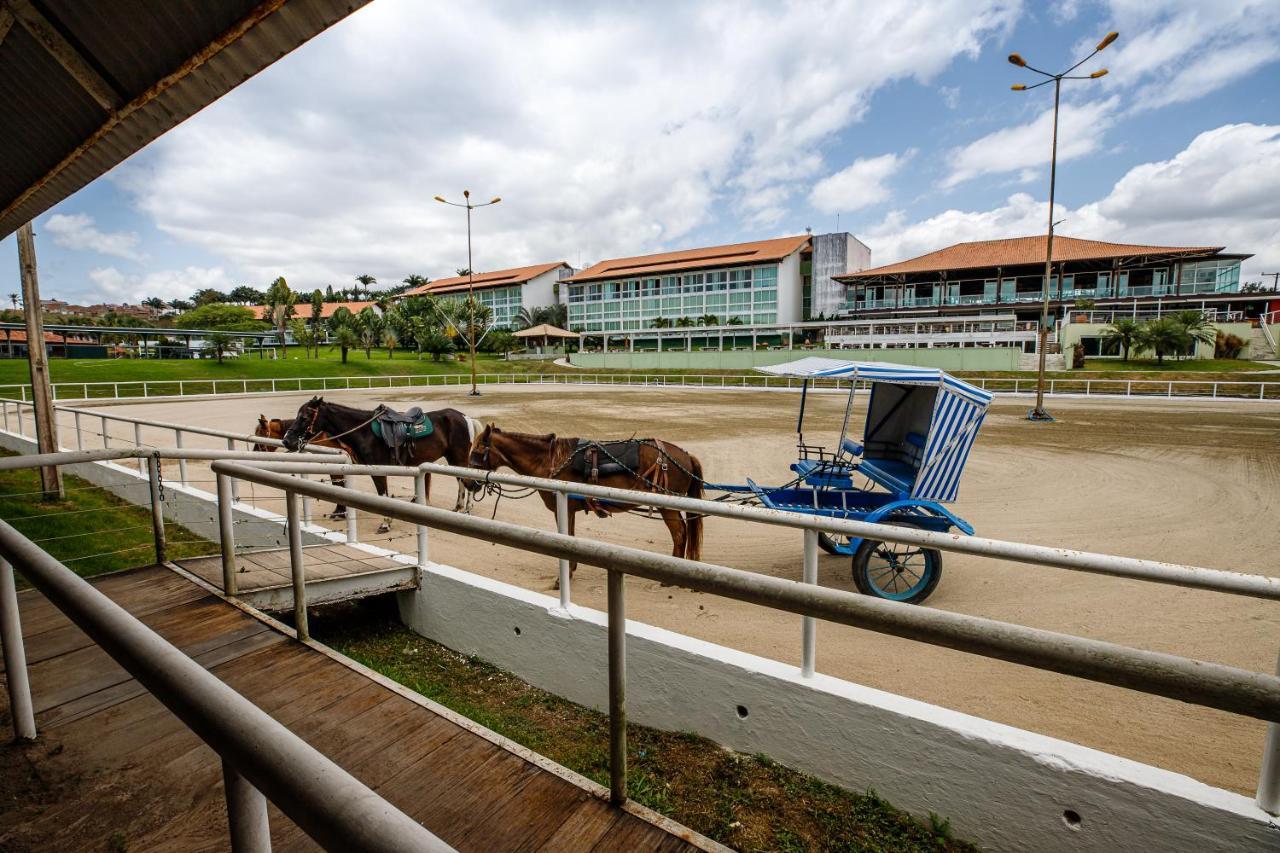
(221, 343)
(280, 301)
(685, 322)
(13, 297)
(524, 319)
(661, 323)
(1122, 333)
(344, 338)
(1164, 335)
(208, 296)
(366, 281)
(317, 312)
(341, 317)
(218, 315)
(390, 340)
(414, 281)
(246, 295)
(155, 302)
(464, 271)
(555, 315)
(734, 321)
(303, 335)
(434, 341)
(1197, 327)
(329, 295)
(180, 305)
(500, 340)
(369, 326)
(708, 320)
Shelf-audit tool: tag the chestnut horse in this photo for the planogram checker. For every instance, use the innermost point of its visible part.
(277, 427)
(661, 467)
(451, 436)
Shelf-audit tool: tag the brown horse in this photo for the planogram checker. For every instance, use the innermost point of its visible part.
(277, 427)
(659, 467)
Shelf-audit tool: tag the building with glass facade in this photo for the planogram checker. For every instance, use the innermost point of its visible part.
(761, 283)
(504, 292)
(1009, 274)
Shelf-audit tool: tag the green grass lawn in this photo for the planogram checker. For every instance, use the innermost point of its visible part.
(92, 531)
(1149, 365)
(747, 802)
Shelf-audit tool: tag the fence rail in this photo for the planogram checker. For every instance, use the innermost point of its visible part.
(1169, 388)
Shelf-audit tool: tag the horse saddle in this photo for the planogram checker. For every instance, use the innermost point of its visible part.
(594, 459)
(400, 429)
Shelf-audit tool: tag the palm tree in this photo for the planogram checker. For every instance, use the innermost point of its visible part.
(13, 297)
(734, 321)
(708, 320)
(390, 340)
(661, 323)
(524, 319)
(414, 280)
(1163, 335)
(1197, 327)
(280, 302)
(220, 342)
(344, 338)
(369, 325)
(366, 280)
(317, 311)
(685, 322)
(1121, 333)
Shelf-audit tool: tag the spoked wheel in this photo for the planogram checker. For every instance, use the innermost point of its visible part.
(896, 571)
(836, 544)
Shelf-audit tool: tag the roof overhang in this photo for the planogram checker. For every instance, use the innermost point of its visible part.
(83, 86)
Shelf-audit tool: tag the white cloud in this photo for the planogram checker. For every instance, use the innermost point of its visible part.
(1219, 190)
(607, 131)
(1173, 51)
(78, 231)
(1019, 148)
(112, 285)
(858, 185)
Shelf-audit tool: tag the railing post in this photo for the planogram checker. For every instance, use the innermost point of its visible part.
(420, 498)
(182, 462)
(296, 564)
(115, 390)
(617, 688)
(353, 532)
(15, 657)
(226, 534)
(235, 484)
(106, 436)
(809, 626)
(137, 442)
(562, 526)
(157, 506)
(5, 407)
(247, 820)
(22, 430)
(1268, 798)
(79, 434)
(306, 503)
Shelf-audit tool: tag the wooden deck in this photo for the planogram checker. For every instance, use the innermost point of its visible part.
(113, 769)
(334, 573)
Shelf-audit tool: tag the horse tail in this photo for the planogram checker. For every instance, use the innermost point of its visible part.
(693, 522)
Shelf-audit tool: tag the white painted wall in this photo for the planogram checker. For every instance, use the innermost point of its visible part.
(539, 291)
(1006, 788)
(790, 289)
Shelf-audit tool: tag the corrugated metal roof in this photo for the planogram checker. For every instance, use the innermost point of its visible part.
(759, 251)
(164, 59)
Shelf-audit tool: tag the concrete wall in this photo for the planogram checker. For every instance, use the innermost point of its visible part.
(976, 358)
(539, 291)
(1005, 788)
(790, 290)
(1071, 334)
(834, 254)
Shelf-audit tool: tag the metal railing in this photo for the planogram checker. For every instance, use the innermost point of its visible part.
(261, 759)
(1198, 682)
(1210, 388)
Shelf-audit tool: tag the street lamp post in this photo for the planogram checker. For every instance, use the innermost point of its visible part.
(1039, 413)
(471, 296)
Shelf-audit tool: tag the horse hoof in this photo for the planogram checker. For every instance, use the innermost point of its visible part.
(384, 528)
(336, 516)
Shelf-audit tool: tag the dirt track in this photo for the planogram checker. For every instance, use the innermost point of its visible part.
(1186, 482)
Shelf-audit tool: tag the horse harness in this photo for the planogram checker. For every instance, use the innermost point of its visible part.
(591, 459)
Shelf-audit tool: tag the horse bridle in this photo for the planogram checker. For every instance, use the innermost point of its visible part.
(487, 444)
(304, 438)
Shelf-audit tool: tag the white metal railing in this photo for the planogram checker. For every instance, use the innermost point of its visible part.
(1209, 684)
(1207, 388)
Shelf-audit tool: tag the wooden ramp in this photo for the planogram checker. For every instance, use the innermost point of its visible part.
(113, 769)
(334, 573)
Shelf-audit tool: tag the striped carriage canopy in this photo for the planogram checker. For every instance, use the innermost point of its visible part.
(921, 421)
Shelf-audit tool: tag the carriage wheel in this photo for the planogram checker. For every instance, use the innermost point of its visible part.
(896, 571)
(835, 544)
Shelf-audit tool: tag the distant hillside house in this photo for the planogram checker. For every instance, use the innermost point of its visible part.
(505, 292)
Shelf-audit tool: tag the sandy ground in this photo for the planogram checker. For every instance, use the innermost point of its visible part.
(1190, 483)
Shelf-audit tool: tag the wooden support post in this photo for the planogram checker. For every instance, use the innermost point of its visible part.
(42, 394)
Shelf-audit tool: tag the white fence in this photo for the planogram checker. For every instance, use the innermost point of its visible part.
(1208, 388)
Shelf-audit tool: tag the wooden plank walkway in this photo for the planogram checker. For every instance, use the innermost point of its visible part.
(334, 573)
(114, 769)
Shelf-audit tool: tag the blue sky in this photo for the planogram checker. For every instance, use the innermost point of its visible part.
(629, 129)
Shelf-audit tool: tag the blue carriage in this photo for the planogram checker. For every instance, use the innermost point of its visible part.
(920, 426)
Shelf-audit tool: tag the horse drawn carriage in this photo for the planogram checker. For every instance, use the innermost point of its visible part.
(920, 426)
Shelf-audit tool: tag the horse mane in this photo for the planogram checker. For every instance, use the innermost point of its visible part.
(549, 439)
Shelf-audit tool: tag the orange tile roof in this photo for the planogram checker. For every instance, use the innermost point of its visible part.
(481, 280)
(302, 310)
(759, 251)
(1015, 251)
(19, 336)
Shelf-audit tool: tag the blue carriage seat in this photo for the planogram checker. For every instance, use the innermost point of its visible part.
(895, 467)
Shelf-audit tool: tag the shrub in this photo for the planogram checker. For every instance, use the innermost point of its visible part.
(1227, 345)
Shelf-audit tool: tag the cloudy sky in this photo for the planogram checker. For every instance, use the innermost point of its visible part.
(638, 127)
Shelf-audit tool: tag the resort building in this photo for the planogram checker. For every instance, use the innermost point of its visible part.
(505, 292)
(1009, 275)
(302, 309)
(763, 283)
